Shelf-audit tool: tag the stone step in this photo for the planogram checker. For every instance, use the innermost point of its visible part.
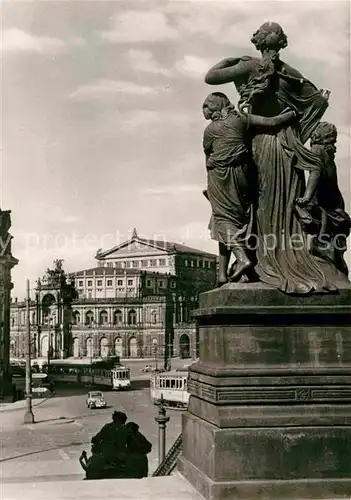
(20, 470)
(68, 465)
(173, 487)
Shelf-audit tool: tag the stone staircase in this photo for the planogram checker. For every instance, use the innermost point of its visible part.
(173, 487)
(63, 480)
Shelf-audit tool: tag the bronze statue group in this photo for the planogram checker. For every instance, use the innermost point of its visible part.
(118, 451)
(281, 230)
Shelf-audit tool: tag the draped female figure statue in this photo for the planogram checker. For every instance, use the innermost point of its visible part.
(266, 86)
(231, 179)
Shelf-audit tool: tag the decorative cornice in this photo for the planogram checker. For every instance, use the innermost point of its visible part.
(274, 395)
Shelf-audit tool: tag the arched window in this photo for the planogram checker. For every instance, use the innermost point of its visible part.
(154, 317)
(76, 318)
(132, 317)
(184, 346)
(154, 346)
(104, 349)
(119, 347)
(89, 347)
(46, 305)
(89, 318)
(117, 317)
(13, 348)
(103, 318)
(133, 348)
(76, 347)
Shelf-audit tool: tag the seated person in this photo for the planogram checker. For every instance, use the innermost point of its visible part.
(94, 465)
(112, 440)
(138, 447)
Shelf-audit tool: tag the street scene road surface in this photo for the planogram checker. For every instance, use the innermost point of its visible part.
(49, 449)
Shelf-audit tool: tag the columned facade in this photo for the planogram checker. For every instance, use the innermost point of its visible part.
(137, 303)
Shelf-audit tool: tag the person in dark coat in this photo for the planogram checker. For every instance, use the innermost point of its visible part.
(138, 448)
(112, 441)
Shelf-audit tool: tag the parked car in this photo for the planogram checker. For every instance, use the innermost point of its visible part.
(96, 400)
(151, 369)
(146, 369)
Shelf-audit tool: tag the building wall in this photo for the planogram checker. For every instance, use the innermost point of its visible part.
(152, 261)
(7, 262)
(137, 303)
(147, 332)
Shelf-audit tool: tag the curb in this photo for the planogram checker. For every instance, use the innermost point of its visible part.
(21, 404)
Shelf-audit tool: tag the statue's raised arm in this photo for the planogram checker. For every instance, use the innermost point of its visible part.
(229, 70)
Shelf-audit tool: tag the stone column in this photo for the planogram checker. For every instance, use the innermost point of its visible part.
(270, 409)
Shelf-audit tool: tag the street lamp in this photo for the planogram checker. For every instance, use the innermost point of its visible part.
(28, 416)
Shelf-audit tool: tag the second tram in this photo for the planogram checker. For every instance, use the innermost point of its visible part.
(172, 387)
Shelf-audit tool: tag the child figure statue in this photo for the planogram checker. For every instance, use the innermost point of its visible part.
(322, 208)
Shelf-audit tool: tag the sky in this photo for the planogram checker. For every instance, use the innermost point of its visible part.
(101, 115)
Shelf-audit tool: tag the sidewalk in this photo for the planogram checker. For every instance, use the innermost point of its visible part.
(46, 412)
(25, 471)
(21, 404)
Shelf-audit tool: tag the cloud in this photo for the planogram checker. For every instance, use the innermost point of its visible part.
(174, 190)
(133, 120)
(193, 66)
(139, 26)
(143, 60)
(102, 88)
(190, 65)
(141, 118)
(18, 41)
(233, 23)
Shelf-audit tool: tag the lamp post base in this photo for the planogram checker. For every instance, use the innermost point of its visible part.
(28, 417)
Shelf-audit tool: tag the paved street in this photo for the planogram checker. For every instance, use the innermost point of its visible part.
(50, 448)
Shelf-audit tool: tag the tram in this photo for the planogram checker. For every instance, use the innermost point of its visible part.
(105, 373)
(172, 387)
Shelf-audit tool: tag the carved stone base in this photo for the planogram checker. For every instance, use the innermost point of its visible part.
(270, 408)
(328, 489)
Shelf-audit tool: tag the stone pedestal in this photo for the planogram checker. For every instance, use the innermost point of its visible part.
(270, 409)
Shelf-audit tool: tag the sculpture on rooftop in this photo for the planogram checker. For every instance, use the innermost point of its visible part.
(276, 232)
